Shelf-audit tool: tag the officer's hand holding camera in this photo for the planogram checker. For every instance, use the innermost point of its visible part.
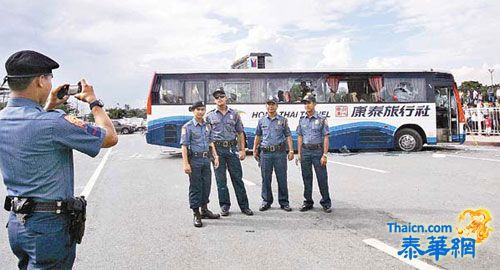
(53, 101)
(87, 94)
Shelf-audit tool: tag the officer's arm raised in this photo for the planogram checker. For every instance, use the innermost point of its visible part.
(100, 115)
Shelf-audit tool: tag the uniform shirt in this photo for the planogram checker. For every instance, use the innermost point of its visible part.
(313, 129)
(272, 130)
(36, 156)
(224, 127)
(196, 136)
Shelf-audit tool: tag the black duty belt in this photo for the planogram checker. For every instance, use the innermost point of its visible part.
(312, 146)
(20, 205)
(225, 143)
(200, 154)
(274, 148)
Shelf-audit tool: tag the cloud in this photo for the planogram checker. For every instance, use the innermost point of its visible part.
(118, 45)
(481, 74)
(460, 36)
(385, 62)
(337, 53)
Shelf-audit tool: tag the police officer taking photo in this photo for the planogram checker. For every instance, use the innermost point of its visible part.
(196, 155)
(312, 151)
(227, 135)
(36, 159)
(272, 139)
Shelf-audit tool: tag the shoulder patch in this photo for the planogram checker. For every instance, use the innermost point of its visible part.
(183, 131)
(75, 121)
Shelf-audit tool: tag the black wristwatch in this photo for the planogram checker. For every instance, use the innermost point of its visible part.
(96, 102)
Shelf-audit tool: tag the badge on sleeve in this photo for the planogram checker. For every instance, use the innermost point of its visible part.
(183, 131)
(75, 121)
(317, 122)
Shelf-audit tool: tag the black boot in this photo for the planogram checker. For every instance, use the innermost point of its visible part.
(197, 218)
(205, 213)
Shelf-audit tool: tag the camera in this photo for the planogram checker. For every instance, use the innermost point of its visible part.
(69, 89)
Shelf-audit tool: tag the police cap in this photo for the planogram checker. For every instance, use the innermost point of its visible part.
(219, 91)
(24, 64)
(309, 98)
(272, 99)
(195, 105)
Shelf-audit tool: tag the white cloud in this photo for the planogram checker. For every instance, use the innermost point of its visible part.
(456, 35)
(118, 45)
(384, 62)
(481, 74)
(337, 53)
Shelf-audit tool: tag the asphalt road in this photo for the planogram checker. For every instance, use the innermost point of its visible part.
(139, 217)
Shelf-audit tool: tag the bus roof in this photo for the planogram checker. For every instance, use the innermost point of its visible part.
(265, 71)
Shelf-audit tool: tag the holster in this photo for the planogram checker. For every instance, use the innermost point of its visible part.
(19, 205)
(77, 209)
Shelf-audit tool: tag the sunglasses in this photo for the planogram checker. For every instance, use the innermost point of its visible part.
(220, 96)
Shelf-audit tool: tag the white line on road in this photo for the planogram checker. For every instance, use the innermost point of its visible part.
(97, 172)
(394, 253)
(475, 158)
(359, 167)
(250, 183)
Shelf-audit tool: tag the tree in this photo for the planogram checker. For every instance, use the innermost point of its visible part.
(470, 85)
(68, 109)
(473, 85)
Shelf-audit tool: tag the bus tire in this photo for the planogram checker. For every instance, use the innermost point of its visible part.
(408, 140)
(125, 131)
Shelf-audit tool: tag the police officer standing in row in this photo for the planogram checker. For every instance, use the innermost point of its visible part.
(313, 145)
(196, 155)
(227, 135)
(272, 139)
(36, 160)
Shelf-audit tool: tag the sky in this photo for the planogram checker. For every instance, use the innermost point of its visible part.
(118, 45)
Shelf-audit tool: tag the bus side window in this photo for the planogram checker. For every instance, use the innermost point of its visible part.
(403, 90)
(194, 91)
(279, 88)
(170, 92)
(239, 90)
(302, 86)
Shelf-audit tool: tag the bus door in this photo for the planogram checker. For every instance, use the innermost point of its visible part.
(446, 114)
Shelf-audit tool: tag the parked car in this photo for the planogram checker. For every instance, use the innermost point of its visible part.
(123, 128)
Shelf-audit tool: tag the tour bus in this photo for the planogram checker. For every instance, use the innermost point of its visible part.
(366, 109)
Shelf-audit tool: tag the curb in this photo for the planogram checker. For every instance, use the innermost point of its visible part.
(480, 143)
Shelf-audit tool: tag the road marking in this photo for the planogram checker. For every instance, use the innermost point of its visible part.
(474, 158)
(394, 253)
(359, 167)
(97, 172)
(250, 183)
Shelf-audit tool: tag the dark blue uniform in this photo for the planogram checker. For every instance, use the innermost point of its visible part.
(36, 160)
(225, 128)
(274, 132)
(313, 130)
(196, 136)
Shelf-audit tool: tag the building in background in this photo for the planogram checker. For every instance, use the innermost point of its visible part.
(254, 61)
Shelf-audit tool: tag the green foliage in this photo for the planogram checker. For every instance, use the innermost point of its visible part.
(119, 113)
(68, 108)
(475, 85)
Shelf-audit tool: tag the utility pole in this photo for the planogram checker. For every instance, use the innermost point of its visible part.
(491, 74)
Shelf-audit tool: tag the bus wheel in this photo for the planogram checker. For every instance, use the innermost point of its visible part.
(408, 140)
(125, 131)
